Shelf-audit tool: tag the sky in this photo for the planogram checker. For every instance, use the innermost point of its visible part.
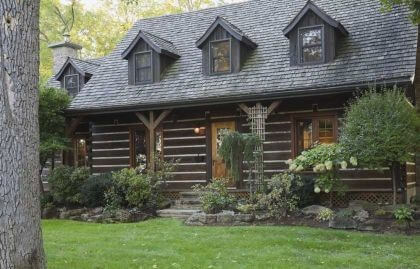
(91, 4)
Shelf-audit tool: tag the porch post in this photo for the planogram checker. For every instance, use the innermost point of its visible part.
(151, 124)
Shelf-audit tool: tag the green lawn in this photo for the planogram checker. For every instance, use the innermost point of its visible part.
(168, 244)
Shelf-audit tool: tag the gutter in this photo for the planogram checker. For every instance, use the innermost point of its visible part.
(293, 93)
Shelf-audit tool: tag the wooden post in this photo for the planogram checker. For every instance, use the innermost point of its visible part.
(151, 124)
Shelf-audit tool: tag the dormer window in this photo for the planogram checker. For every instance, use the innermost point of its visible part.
(71, 84)
(148, 57)
(220, 51)
(311, 45)
(313, 36)
(225, 48)
(143, 67)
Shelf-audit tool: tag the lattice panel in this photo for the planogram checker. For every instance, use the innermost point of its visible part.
(241, 195)
(379, 198)
(173, 196)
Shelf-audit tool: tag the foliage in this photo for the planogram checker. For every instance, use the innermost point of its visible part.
(247, 208)
(305, 191)
(280, 200)
(413, 5)
(93, 189)
(325, 160)
(380, 128)
(65, 182)
(214, 196)
(136, 189)
(325, 214)
(52, 103)
(236, 147)
(405, 215)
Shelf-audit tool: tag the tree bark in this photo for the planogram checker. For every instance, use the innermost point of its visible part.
(20, 213)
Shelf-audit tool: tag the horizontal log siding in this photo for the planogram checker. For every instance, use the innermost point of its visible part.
(182, 145)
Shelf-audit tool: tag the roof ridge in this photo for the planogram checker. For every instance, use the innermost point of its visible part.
(86, 61)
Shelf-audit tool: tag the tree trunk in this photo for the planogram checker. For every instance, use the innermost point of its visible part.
(395, 178)
(20, 214)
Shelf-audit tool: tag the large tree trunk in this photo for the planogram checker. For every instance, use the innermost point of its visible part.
(20, 225)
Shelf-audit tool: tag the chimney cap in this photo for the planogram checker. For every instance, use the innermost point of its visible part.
(65, 43)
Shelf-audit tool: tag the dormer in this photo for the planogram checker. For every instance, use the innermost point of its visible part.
(74, 74)
(224, 48)
(148, 56)
(313, 36)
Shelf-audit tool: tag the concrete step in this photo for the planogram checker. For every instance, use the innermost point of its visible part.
(188, 194)
(177, 213)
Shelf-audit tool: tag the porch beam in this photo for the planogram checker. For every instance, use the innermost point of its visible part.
(244, 107)
(273, 106)
(143, 119)
(161, 117)
(74, 123)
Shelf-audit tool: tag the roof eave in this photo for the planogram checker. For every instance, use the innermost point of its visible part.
(156, 48)
(66, 63)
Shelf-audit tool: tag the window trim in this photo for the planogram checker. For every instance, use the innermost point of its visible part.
(312, 116)
(75, 151)
(301, 47)
(211, 58)
(133, 162)
(151, 68)
(78, 82)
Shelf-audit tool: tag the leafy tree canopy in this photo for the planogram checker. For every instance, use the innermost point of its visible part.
(413, 5)
(52, 103)
(380, 127)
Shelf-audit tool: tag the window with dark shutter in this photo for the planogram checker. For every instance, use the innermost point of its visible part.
(143, 67)
(311, 45)
(71, 84)
(220, 56)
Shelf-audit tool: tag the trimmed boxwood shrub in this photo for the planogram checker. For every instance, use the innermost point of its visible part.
(93, 189)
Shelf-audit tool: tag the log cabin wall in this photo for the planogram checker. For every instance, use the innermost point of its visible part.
(110, 142)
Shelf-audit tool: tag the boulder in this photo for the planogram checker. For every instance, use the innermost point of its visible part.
(313, 210)
(50, 213)
(76, 212)
(369, 226)
(262, 216)
(96, 211)
(357, 205)
(342, 222)
(244, 218)
(193, 220)
(361, 215)
(226, 217)
(84, 217)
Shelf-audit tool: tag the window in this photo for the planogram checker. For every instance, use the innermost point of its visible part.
(311, 45)
(143, 67)
(138, 149)
(71, 84)
(220, 56)
(80, 152)
(311, 130)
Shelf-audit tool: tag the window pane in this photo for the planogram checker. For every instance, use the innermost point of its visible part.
(312, 54)
(311, 36)
(81, 152)
(144, 74)
(71, 84)
(304, 135)
(326, 131)
(143, 60)
(140, 149)
(220, 53)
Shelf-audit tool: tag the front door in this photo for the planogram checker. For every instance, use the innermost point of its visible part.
(219, 169)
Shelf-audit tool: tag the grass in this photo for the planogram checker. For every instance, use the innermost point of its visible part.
(163, 243)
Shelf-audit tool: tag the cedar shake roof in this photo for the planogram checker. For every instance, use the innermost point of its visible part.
(380, 47)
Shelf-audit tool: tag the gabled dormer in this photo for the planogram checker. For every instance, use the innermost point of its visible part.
(224, 47)
(148, 55)
(74, 74)
(313, 36)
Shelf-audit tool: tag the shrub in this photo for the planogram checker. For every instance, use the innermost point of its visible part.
(93, 189)
(65, 182)
(404, 215)
(280, 200)
(325, 214)
(214, 196)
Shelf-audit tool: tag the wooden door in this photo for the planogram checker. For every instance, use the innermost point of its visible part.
(219, 169)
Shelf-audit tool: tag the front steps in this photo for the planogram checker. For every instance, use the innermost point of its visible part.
(187, 205)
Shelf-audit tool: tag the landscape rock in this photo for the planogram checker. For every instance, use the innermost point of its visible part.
(313, 210)
(342, 222)
(262, 216)
(244, 218)
(96, 211)
(357, 205)
(76, 212)
(225, 218)
(369, 226)
(50, 213)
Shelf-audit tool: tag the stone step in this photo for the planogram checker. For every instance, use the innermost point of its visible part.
(189, 201)
(188, 194)
(177, 213)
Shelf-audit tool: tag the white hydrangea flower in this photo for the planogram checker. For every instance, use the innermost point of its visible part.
(327, 190)
(299, 168)
(289, 161)
(329, 165)
(317, 189)
(315, 169)
(353, 161)
(321, 167)
(343, 165)
(292, 167)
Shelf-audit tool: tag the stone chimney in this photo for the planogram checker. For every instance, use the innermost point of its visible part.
(62, 50)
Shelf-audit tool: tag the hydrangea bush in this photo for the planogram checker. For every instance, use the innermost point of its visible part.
(325, 160)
